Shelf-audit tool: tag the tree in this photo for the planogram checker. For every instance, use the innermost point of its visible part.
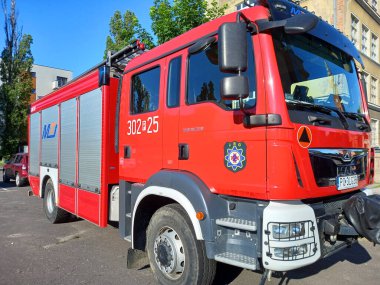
(215, 10)
(124, 29)
(16, 87)
(171, 20)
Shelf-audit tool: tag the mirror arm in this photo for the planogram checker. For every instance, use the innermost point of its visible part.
(241, 105)
(241, 102)
(251, 27)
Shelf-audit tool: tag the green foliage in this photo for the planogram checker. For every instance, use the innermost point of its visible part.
(162, 15)
(125, 29)
(215, 10)
(16, 88)
(171, 20)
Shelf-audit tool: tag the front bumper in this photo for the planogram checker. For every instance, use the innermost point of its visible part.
(289, 251)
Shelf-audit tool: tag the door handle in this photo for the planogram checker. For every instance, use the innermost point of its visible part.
(183, 151)
(127, 151)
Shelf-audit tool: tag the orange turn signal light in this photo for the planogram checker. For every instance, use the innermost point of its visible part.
(200, 216)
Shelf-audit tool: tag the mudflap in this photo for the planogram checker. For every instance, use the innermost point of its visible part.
(136, 259)
(363, 212)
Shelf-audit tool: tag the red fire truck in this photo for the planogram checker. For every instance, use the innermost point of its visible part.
(244, 141)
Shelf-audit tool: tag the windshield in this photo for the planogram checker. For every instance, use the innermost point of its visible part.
(314, 72)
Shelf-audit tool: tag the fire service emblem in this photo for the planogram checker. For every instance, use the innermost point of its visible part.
(235, 156)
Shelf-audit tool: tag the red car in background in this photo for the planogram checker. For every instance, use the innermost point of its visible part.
(17, 168)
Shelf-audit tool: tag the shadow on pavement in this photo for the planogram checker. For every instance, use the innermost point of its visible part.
(225, 274)
(357, 254)
(8, 185)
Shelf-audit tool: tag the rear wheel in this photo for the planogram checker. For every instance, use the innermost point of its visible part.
(176, 256)
(18, 180)
(5, 177)
(52, 211)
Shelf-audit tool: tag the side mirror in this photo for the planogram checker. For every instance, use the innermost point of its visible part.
(234, 88)
(232, 47)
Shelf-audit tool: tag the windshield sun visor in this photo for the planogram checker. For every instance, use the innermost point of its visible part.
(281, 10)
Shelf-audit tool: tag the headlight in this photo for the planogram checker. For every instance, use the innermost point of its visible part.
(288, 230)
(290, 252)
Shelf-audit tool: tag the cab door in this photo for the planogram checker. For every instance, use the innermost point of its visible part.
(229, 157)
(141, 122)
(174, 78)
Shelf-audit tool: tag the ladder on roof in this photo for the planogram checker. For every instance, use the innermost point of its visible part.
(117, 60)
(121, 58)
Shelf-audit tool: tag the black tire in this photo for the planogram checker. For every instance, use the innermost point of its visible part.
(52, 211)
(6, 179)
(190, 256)
(19, 182)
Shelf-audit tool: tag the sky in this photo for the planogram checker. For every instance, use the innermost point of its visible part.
(71, 34)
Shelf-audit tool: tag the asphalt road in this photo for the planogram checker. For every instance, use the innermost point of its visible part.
(33, 251)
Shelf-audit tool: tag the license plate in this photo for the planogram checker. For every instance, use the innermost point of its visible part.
(347, 182)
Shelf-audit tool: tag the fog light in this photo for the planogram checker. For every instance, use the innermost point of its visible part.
(290, 252)
(282, 231)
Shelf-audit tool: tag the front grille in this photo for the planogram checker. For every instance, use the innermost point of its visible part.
(328, 164)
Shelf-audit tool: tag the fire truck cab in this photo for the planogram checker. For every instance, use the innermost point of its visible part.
(244, 141)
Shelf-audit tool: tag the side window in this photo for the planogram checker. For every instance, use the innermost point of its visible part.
(145, 91)
(204, 78)
(18, 159)
(174, 82)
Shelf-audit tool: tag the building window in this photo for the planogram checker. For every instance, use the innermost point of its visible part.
(374, 5)
(354, 30)
(33, 74)
(242, 5)
(375, 132)
(374, 47)
(373, 90)
(365, 38)
(33, 91)
(365, 78)
(61, 81)
(145, 91)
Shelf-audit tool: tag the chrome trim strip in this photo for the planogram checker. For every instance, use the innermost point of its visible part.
(345, 155)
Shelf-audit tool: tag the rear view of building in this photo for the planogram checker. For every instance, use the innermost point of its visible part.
(47, 79)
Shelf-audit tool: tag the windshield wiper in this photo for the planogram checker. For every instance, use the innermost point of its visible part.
(320, 108)
(354, 116)
(363, 124)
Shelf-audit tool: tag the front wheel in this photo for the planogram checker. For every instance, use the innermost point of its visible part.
(176, 256)
(52, 211)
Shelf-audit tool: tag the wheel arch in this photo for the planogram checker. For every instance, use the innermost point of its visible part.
(47, 173)
(179, 187)
(43, 185)
(143, 214)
